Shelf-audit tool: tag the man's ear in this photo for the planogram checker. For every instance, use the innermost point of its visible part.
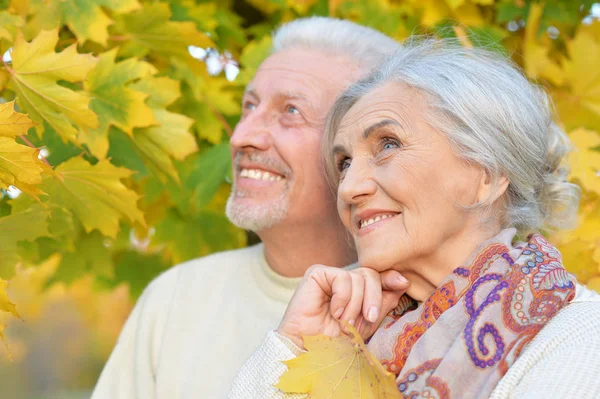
(489, 189)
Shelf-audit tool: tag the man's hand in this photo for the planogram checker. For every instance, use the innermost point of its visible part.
(327, 295)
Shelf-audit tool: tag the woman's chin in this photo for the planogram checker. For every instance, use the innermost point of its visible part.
(377, 260)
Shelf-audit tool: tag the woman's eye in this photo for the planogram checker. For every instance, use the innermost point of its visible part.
(389, 144)
(249, 106)
(343, 164)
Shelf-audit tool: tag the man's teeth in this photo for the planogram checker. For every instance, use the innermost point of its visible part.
(259, 175)
(365, 223)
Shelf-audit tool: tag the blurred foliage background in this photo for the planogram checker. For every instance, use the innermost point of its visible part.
(114, 163)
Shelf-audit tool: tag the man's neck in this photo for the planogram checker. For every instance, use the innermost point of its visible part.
(289, 251)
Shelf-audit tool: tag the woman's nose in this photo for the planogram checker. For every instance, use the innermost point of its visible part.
(254, 132)
(357, 184)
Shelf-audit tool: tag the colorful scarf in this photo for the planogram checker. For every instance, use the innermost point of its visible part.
(461, 340)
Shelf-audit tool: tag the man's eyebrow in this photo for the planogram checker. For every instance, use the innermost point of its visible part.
(250, 91)
(379, 125)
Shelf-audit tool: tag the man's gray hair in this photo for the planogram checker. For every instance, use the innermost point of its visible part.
(492, 116)
(360, 43)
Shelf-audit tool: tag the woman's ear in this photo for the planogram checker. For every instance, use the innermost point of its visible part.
(489, 189)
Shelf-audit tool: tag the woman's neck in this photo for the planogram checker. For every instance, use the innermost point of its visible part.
(426, 274)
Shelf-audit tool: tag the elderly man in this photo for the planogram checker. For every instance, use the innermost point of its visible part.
(196, 324)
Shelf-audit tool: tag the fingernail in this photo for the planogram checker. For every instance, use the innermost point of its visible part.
(373, 314)
(351, 322)
(338, 313)
(402, 279)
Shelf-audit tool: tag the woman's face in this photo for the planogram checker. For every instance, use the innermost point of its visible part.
(402, 188)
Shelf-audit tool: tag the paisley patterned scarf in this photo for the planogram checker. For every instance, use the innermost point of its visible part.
(461, 340)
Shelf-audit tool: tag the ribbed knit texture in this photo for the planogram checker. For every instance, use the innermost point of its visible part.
(562, 361)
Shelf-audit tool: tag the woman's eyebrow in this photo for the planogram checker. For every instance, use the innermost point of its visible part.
(379, 125)
(338, 149)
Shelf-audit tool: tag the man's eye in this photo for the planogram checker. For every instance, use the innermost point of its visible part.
(292, 110)
(249, 106)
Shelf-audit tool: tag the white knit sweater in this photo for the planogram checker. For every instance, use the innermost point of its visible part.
(195, 326)
(562, 361)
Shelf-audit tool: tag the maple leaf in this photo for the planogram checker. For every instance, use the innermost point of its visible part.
(171, 137)
(339, 367)
(35, 70)
(13, 124)
(585, 161)
(114, 102)
(20, 167)
(94, 194)
(85, 18)
(578, 99)
(151, 30)
(26, 225)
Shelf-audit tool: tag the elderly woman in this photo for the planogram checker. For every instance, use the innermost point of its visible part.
(447, 164)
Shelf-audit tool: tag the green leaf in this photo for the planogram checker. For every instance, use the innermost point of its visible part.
(137, 269)
(123, 152)
(26, 225)
(95, 194)
(208, 173)
(150, 30)
(90, 256)
(198, 235)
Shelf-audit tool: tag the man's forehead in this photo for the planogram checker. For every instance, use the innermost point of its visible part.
(284, 92)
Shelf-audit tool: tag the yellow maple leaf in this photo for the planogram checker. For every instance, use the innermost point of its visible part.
(13, 124)
(585, 162)
(19, 164)
(35, 70)
(536, 61)
(114, 101)
(339, 367)
(171, 137)
(94, 193)
(578, 98)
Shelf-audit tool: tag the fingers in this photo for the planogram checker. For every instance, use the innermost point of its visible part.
(354, 306)
(341, 292)
(371, 303)
(391, 280)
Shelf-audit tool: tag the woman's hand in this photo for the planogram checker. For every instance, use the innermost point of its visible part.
(327, 295)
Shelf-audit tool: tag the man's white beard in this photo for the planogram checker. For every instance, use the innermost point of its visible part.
(256, 217)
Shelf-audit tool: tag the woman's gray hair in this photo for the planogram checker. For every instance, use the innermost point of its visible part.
(492, 116)
(365, 45)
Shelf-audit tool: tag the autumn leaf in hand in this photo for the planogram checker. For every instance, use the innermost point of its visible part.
(340, 368)
(19, 164)
(34, 75)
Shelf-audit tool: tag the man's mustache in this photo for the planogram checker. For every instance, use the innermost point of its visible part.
(262, 160)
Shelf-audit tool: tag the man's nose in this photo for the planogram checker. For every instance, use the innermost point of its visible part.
(254, 132)
(358, 183)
